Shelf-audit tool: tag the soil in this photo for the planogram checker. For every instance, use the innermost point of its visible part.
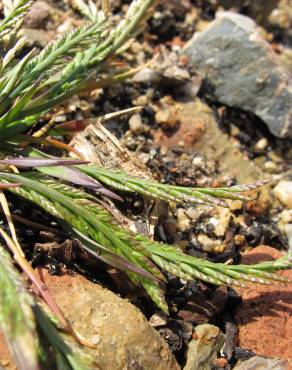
(205, 144)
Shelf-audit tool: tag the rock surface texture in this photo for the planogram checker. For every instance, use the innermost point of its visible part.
(123, 337)
(242, 70)
(198, 129)
(203, 349)
(260, 363)
(283, 191)
(264, 316)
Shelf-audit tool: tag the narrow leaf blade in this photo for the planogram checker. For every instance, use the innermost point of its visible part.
(79, 178)
(16, 316)
(40, 162)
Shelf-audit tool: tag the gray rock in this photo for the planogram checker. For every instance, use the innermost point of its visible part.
(242, 70)
(202, 351)
(261, 363)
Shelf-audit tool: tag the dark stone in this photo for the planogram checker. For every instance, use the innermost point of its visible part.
(240, 69)
(200, 309)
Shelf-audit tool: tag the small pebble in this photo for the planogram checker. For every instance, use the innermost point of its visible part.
(60, 118)
(270, 167)
(198, 162)
(221, 224)
(183, 222)
(209, 245)
(157, 320)
(236, 205)
(283, 191)
(167, 117)
(136, 47)
(181, 143)
(177, 73)
(261, 145)
(235, 131)
(239, 239)
(144, 157)
(142, 100)
(146, 75)
(194, 213)
(136, 124)
(275, 157)
(163, 151)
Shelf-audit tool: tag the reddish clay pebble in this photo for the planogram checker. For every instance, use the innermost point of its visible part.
(264, 316)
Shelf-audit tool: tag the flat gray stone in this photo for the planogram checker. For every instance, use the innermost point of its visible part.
(261, 363)
(242, 70)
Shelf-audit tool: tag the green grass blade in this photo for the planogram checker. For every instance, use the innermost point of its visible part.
(66, 355)
(15, 16)
(16, 315)
(120, 180)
